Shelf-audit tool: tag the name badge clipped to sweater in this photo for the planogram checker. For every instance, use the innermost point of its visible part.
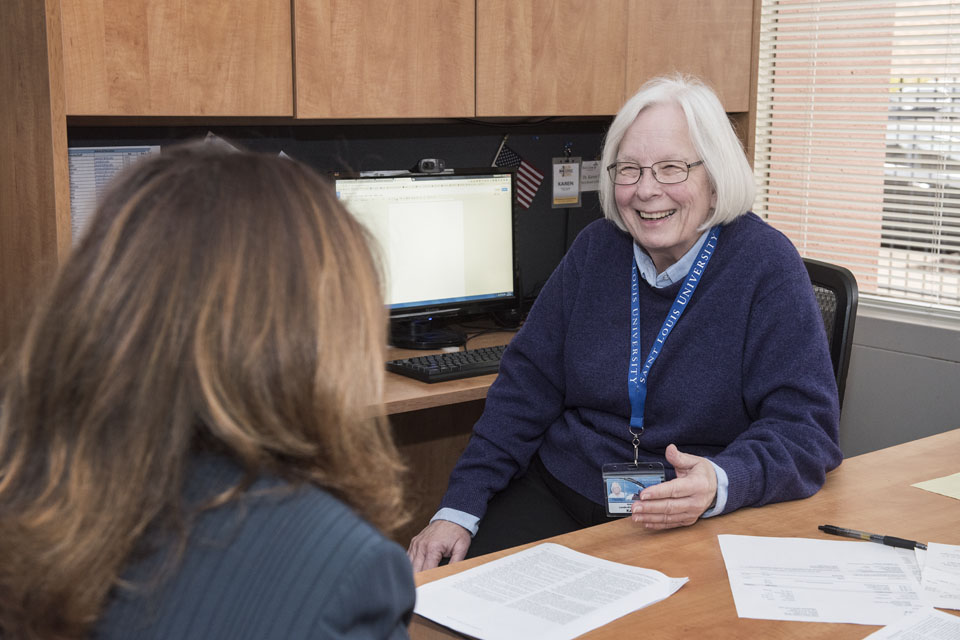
(623, 482)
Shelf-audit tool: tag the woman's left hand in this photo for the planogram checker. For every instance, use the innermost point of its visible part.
(679, 502)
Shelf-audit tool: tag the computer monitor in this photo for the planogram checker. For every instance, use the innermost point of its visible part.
(446, 242)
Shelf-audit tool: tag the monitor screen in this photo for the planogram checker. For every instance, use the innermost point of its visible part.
(446, 240)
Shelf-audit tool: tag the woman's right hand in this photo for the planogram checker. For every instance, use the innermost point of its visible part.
(439, 539)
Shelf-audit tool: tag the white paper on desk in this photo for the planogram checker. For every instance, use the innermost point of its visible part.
(925, 624)
(820, 580)
(941, 575)
(547, 592)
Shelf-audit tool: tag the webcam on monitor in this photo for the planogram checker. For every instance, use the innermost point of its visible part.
(429, 165)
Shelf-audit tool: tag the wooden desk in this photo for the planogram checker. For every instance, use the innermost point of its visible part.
(870, 492)
(431, 426)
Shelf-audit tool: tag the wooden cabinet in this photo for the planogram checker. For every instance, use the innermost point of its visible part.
(550, 57)
(168, 57)
(384, 59)
(568, 57)
(344, 59)
(34, 179)
(388, 59)
(712, 40)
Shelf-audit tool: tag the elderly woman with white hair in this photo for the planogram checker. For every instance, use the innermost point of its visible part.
(679, 331)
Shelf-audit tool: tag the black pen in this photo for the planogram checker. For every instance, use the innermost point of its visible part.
(890, 541)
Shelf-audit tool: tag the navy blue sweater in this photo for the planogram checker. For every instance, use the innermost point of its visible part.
(744, 379)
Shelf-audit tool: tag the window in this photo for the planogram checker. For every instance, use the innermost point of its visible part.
(858, 140)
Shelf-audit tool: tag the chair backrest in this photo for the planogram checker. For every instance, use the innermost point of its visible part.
(836, 290)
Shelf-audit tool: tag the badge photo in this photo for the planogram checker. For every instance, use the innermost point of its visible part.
(623, 484)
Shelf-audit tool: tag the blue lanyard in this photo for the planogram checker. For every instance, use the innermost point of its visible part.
(637, 376)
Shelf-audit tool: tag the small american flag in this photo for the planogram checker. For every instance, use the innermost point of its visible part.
(528, 178)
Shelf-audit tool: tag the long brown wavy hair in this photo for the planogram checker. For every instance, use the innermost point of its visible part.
(217, 297)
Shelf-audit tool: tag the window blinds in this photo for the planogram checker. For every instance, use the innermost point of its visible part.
(858, 139)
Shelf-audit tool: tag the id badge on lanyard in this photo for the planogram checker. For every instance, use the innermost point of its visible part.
(624, 481)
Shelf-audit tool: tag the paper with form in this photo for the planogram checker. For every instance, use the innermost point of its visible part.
(547, 592)
(940, 568)
(821, 580)
(925, 624)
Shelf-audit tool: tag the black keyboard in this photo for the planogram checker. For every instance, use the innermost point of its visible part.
(450, 366)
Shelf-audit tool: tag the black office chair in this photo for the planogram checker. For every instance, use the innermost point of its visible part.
(836, 290)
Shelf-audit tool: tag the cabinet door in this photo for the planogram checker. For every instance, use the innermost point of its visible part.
(169, 57)
(384, 59)
(550, 57)
(712, 40)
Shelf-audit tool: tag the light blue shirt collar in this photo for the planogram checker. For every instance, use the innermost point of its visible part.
(674, 273)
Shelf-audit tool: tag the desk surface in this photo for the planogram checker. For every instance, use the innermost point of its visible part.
(406, 394)
(870, 492)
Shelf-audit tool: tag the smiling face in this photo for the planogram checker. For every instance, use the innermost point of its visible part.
(663, 218)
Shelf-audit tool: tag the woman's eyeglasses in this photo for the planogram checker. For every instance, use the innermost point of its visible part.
(664, 172)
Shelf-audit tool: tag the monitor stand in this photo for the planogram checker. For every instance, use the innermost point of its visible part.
(423, 334)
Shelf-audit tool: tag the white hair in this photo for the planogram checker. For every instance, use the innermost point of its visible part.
(712, 136)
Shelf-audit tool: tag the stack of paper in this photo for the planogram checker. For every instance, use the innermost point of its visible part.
(548, 592)
(839, 581)
(821, 580)
(926, 624)
(940, 570)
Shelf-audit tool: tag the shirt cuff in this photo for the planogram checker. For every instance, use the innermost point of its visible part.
(469, 522)
(723, 486)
